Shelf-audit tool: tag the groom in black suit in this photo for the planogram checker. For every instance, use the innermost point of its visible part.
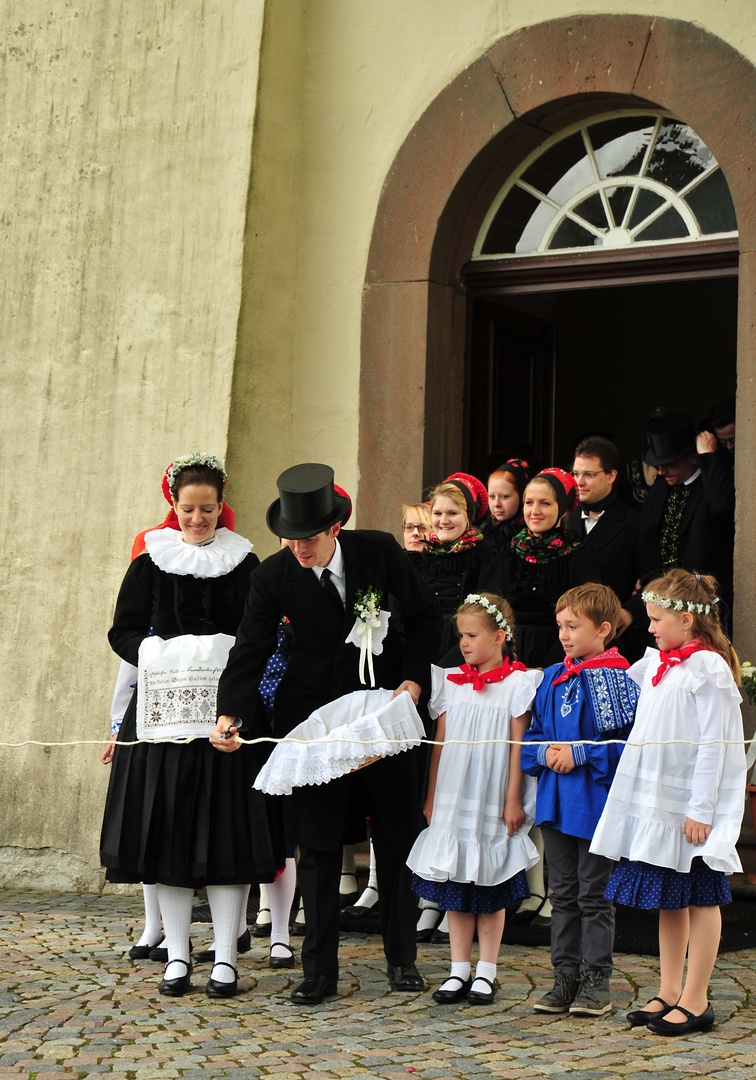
(314, 582)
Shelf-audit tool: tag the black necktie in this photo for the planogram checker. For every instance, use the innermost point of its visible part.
(326, 580)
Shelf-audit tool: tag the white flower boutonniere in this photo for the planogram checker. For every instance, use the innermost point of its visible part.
(369, 630)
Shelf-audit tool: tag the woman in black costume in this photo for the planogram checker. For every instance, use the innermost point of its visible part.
(457, 559)
(545, 560)
(181, 814)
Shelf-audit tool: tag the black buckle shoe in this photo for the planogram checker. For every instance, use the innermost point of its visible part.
(179, 986)
(703, 1022)
(482, 997)
(449, 997)
(216, 989)
(281, 961)
(639, 1018)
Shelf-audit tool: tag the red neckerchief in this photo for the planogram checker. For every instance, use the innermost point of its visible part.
(610, 658)
(676, 656)
(471, 674)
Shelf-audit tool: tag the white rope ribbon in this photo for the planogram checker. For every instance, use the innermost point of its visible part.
(751, 743)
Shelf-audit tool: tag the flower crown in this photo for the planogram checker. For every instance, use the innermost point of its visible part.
(493, 611)
(197, 457)
(678, 605)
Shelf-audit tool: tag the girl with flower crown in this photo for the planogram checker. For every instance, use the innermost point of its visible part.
(180, 814)
(545, 560)
(675, 806)
(473, 857)
(457, 558)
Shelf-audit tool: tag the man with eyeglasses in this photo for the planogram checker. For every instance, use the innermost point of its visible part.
(605, 523)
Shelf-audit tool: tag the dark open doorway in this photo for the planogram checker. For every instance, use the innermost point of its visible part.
(547, 367)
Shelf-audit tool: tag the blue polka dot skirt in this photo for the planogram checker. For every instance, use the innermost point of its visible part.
(640, 885)
(472, 898)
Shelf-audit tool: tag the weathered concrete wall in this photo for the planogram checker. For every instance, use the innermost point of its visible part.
(124, 168)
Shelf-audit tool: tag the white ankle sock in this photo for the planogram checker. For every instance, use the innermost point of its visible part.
(483, 970)
(153, 930)
(225, 902)
(280, 897)
(460, 969)
(176, 909)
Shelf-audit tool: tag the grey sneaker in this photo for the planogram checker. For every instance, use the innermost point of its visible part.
(563, 992)
(593, 996)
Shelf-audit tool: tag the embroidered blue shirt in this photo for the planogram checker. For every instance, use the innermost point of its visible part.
(597, 703)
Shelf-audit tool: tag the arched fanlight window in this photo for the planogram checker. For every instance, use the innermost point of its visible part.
(618, 179)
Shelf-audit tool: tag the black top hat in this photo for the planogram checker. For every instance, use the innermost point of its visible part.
(669, 437)
(308, 502)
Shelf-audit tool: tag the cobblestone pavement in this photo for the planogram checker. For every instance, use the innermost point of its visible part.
(73, 1005)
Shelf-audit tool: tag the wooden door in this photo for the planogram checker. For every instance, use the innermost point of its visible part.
(510, 388)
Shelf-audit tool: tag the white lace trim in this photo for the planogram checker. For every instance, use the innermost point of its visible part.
(355, 729)
(168, 551)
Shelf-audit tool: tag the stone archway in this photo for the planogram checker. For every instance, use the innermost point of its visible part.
(442, 181)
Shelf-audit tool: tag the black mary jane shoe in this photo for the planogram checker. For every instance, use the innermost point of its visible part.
(142, 952)
(703, 1022)
(449, 997)
(161, 955)
(215, 989)
(262, 929)
(313, 989)
(639, 1018)
(281, 961)
(207, 956)
(179, 986)
(481, 997)
(430, 918)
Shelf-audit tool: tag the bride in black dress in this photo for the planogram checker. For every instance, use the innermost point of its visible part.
(181, 814)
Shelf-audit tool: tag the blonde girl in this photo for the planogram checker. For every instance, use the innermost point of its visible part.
(674, 809)
(473, 857)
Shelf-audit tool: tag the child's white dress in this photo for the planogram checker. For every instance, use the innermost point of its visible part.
(656, 787)
(467, 839)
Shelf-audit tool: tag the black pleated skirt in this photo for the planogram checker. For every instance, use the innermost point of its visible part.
(187, 815)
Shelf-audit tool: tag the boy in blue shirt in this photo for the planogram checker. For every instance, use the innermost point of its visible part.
(586, 699)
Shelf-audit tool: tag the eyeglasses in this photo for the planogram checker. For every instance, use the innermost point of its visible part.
(409, 527)
(587, 475)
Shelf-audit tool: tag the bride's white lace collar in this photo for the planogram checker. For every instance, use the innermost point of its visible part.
(168, 551)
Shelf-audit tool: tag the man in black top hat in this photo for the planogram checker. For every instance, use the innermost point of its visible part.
(688, 517)
(314, 583)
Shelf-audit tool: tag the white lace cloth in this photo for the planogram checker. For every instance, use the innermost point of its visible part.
(168, 551)
(340, 737)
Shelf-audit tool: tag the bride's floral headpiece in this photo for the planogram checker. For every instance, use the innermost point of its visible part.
(678, 605)
(493, 611)
(197, 457)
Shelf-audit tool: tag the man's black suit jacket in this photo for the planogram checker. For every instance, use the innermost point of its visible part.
(613, 539)
(321, 666)
(707, 528)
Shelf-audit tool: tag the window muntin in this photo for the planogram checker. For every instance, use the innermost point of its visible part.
(612, 181)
